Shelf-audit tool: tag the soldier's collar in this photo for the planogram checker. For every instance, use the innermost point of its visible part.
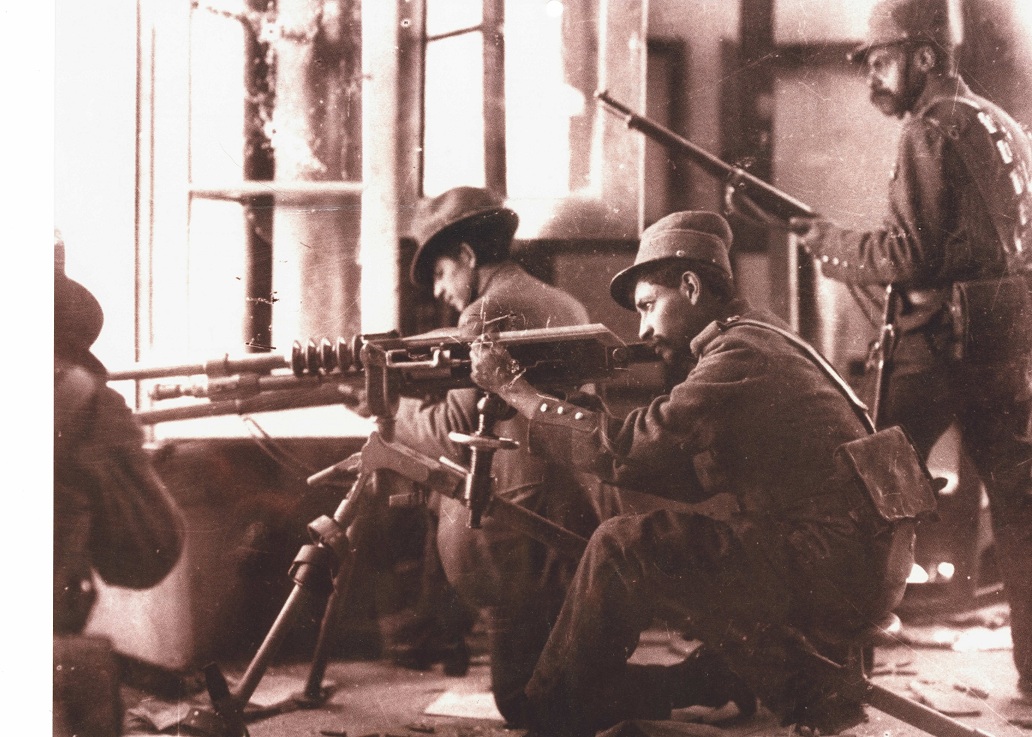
(703, 339)
(950, 85)
(735, 309)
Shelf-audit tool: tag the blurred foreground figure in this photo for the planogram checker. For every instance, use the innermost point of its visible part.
(112, 514)
(955, 246)
(790, 540)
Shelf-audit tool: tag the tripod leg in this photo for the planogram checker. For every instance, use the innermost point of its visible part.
(315, 561)
(314, 694)
(228, 708)
(313, 572)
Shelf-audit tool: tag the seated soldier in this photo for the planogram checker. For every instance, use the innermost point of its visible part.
(798, 547)
(464, 236)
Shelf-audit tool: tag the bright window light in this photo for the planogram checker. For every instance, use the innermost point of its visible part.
(917, 575)
(539, 101)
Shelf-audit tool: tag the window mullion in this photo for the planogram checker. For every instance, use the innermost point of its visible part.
(494, 96)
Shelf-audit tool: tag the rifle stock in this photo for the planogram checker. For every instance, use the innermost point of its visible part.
(768, 197)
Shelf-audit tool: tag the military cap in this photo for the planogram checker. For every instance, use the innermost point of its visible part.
(699, 235)
(473, 213)
(906, 21)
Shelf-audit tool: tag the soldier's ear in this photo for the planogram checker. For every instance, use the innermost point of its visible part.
(691, 286)
(926, 58)
(468, 255)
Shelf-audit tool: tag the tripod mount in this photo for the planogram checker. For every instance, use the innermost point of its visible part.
(322, 569)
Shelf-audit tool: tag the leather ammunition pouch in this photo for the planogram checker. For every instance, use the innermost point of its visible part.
(992, 319)
(888, 468)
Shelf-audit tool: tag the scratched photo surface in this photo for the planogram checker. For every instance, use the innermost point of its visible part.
(238, 184)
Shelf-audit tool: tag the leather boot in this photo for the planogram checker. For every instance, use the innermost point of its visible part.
(703, 679)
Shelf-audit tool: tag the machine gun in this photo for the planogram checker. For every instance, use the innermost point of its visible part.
(754, 191)
(386, 365)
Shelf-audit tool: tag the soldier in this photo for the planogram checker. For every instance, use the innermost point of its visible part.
(464, 237)
(787, 538)
(960, 202)
(113, 516)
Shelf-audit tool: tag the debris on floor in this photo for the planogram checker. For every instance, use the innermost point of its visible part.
(948, 702)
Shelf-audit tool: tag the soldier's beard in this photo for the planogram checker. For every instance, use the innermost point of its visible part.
(898, 103)
(888, 102)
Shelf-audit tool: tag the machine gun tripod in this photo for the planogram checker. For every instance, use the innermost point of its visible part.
(323, 568)
(389, 366)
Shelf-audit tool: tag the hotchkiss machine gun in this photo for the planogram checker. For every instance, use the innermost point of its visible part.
(382, 368)
(388, 367)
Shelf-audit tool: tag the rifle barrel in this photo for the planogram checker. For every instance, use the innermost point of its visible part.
(766, 195)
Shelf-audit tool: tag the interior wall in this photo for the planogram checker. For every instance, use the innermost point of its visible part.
(822, 114)
(701, 25)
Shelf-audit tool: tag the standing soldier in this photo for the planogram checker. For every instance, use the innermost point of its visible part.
(954, 248)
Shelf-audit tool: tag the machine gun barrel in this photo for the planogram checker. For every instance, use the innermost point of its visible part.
(223, 366)
(765, 195)
(390, 366)
(273, 401)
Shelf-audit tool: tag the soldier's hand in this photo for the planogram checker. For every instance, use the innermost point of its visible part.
(493, 368)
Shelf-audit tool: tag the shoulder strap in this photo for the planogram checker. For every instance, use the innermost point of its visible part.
(858, 406)
(996, 157)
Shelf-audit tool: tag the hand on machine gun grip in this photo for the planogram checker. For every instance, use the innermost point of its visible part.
(492, 367)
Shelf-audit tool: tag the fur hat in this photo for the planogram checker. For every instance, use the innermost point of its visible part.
(699, 235)
(475, 214)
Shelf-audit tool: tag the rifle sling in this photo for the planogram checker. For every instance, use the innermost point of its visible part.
(812, 353)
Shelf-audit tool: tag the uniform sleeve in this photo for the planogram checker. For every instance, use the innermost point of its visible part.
(138, 529)
(909, 247)
(424, 425)
(661, 447)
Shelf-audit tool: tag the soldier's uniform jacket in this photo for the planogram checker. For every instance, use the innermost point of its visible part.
(112, 514)
(940, 225)
(511, 299)
(755, 419)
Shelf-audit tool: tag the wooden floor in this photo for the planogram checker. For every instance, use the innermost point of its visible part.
(960, 670)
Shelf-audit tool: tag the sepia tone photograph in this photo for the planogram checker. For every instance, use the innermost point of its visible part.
(545, 368)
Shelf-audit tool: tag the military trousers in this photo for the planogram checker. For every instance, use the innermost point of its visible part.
(992, 406)
(710, 573)
(516, 582)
